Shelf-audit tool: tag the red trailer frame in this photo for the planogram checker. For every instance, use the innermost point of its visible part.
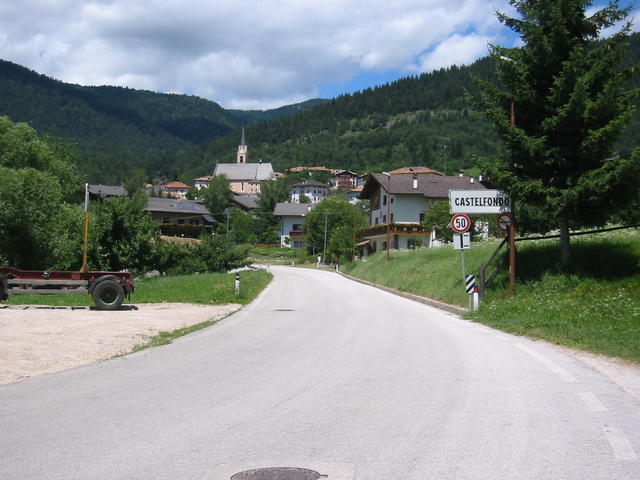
(108, 289)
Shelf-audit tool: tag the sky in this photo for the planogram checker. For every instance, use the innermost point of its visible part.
(242, 54)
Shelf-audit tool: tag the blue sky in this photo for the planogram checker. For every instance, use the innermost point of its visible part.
(248, 54)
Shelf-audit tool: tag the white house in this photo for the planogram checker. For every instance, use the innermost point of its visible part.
(398, 202)
(292, 219)
(314, 191)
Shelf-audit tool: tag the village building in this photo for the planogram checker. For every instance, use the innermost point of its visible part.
(175, 190)
(344, 180)
(201, 182)
(291, 223)
(181, 218)
(245, 178)
(314, 191)
(398, 202)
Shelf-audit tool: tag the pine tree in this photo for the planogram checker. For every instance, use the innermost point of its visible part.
(563, 105)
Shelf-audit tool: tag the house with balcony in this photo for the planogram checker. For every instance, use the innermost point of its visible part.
(398, 202)
(343, 180)
(180, 218)
(291, 223)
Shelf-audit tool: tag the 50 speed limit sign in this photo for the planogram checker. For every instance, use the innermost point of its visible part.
(460, 223)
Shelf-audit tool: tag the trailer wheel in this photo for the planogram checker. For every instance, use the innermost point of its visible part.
(108, 295)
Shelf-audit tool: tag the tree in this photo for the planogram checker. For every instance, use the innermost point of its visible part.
(134, 184)
(217, 197)
(122, 235)
(567, 91)
(271, 192)
(437, 218)
(342, 221)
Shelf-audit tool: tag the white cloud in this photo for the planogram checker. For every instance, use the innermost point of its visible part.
(242, 54)
(455, 50)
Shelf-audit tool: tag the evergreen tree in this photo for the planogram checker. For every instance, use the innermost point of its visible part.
(563, 107)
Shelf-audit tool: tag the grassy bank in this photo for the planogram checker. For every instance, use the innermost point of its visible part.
(209, 288)
(595, 305)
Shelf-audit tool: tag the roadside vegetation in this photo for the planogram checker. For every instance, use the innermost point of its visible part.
(205, 288)
(593, 305)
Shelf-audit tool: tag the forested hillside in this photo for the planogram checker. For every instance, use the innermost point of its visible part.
(421, 120)
(117, 129)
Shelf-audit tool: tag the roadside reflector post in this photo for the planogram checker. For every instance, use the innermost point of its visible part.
(237, 284)
(472, 290)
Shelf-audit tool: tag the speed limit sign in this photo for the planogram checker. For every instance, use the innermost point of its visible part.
(460, 223)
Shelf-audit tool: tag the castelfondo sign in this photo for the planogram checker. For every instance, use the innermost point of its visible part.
(479, 201)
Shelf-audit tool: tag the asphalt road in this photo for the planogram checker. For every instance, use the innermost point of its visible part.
(324, 373)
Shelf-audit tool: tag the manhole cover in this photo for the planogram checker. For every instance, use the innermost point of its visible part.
(278, 473)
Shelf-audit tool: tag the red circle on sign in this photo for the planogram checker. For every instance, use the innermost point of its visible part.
(504, 221)
(460, 223)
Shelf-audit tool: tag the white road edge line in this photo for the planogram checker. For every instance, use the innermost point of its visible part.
(622, 449)
(594, 404)
(554, 367)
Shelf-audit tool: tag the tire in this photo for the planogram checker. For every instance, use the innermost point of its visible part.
(108, 295)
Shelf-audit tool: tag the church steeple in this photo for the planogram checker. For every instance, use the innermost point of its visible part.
(243, 151)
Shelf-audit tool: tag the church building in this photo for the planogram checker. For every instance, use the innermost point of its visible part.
(244, 177)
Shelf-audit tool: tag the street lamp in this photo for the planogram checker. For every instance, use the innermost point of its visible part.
(388, 212)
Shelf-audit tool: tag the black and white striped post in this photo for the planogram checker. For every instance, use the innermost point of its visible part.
(472, 290)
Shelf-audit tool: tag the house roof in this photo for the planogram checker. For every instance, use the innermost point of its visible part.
(292, 209)
(415, 170)
(248, 202)
(343, 172)
(171, 205)
(176, 185)
(103, 191)
(429, 185)
(245, 171)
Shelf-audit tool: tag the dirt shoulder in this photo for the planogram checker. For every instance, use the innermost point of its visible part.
(38, 340)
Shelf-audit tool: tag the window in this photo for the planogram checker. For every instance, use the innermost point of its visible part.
(384, 200)
(384, 219)
(421, 218)
(391, 218)
(376, 220)
(296, 226)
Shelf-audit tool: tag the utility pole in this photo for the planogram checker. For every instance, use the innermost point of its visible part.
(388, 213)
(324, 249)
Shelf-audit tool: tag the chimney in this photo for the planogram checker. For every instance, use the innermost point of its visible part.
(415, 181)
(471, 179)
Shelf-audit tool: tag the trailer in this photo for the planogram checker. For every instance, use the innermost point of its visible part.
(108, 289)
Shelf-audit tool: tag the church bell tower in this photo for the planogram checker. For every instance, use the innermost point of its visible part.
(243, 152)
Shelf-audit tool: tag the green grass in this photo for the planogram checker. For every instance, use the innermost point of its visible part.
(594, 305)
(206, 288)
(278, 256)
(431, 272)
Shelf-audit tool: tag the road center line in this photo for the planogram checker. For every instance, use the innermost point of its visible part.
(554, 367)
(622, 449)
(594, 404)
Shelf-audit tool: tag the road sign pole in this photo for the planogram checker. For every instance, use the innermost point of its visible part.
(512, 251)
(463, 272)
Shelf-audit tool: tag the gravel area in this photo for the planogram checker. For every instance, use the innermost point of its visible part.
(35, 340)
